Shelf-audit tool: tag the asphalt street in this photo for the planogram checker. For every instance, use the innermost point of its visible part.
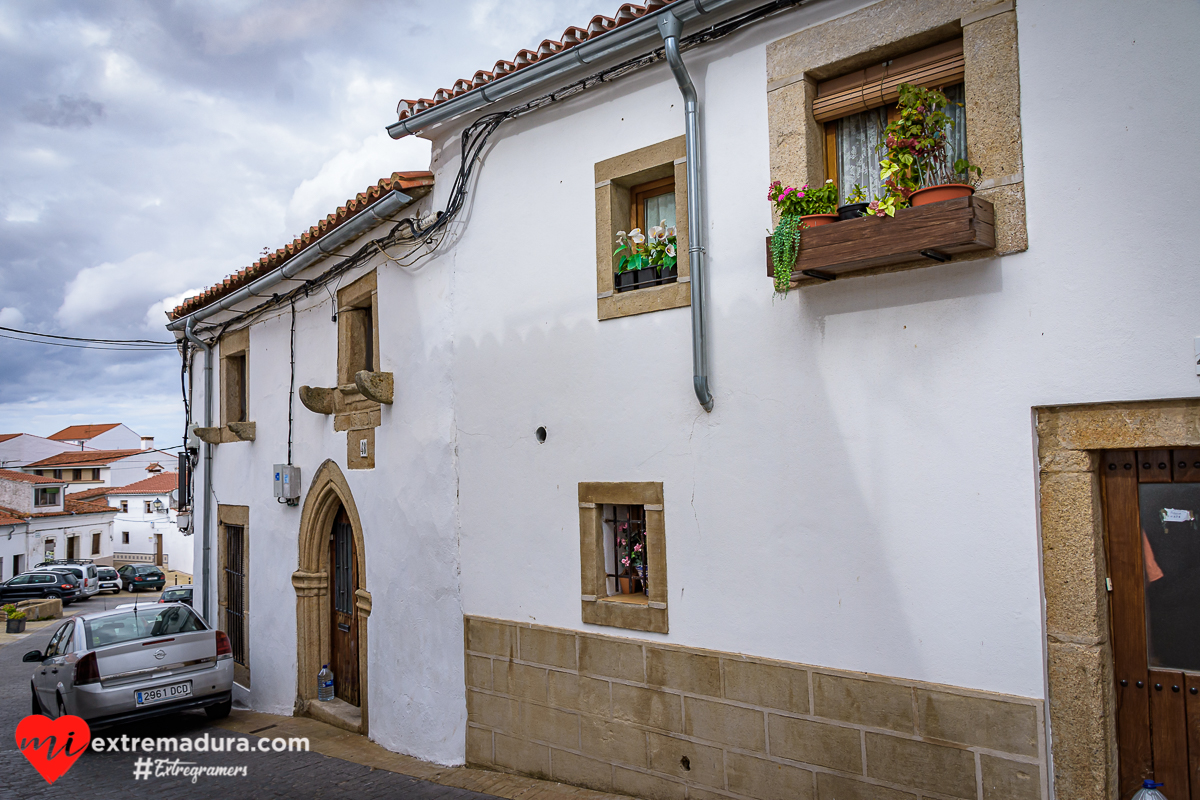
(111, 775)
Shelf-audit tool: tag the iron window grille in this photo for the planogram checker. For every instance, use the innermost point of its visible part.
(235, 591)
(627, 571)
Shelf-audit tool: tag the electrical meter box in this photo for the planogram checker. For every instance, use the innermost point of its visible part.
(287, 483)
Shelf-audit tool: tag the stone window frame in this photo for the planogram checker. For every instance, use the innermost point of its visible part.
(887, 30)
(355, 413)
(232, 344)
(597, 609)
(614, 179)
(234, 515)
(1081, 695)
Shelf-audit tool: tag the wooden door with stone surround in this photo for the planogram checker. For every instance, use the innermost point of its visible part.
(1152, 539)
(343, 622)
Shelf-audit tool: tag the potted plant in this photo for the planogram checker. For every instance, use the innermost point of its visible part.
(15, 619)
(664, 255)
(915, 169)
(855, 205)
(635, 261)
(633, 564)
(798, 209)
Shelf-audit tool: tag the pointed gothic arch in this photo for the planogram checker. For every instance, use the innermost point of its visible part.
(327, 494)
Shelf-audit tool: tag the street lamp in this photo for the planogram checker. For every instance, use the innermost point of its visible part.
(158, 505)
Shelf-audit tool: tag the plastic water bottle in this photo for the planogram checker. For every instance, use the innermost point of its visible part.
(325, 684)
(1149, 791)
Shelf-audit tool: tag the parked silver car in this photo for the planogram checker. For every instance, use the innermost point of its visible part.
(130, 663)
(110, 581)
(84, 571)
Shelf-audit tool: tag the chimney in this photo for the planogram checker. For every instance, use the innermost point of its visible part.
(147, 442)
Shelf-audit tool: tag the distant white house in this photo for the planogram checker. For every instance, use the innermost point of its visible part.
(19, 449)
(90, 469)
(145, 529)
(38, 522)
(113, 436)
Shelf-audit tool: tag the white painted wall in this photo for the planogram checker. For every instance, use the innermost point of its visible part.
(25, 448)
(52, 532)
(406, 505)
(143, 527)
(863, 495)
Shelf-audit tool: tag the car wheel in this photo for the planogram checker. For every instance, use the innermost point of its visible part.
(37, 706)
(220, 710)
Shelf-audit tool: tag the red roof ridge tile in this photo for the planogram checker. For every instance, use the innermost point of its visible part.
(25, 477)
(572, 36)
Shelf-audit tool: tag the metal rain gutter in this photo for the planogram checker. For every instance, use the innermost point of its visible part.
(671, 27)
(643, 29)
(323, 248)
(206, 535)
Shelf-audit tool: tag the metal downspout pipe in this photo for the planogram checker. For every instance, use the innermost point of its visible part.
(671, 28)
(205, 534)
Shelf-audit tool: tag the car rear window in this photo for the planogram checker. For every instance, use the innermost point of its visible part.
(148, 570)
(174, 594)
(109, 573)
(135, 624)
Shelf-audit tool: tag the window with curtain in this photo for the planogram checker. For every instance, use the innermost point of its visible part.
(857, 107)
(858, 137)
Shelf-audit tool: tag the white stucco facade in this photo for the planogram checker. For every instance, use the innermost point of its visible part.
(863, 494)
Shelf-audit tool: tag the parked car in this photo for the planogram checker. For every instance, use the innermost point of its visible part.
(141, 576)
(177, 594)
(114, 666)
(110, 581)
(41, 583)
(85, 571)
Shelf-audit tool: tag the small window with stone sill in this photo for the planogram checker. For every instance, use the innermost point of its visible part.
(623, 555)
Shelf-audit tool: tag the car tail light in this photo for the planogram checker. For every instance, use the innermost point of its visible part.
(87, 670)
(224, 650)
(138, 578)
(66, 586)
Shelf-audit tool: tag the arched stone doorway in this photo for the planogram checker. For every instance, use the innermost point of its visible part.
(329, 509)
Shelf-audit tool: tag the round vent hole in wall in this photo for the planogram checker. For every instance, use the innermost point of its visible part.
(540, 433)
(685, 763)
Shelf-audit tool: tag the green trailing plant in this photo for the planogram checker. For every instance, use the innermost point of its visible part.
(11, 612)
(916, 150)
(857, 195)
(792, 205)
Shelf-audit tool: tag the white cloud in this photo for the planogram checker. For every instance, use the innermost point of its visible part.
(11, 317)
(156, 313)
(110, 288)
(350, 172)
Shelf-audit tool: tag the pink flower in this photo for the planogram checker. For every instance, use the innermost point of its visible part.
(625, 561)
(637, 548)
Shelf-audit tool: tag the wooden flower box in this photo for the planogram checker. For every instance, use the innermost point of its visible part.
(932, 233)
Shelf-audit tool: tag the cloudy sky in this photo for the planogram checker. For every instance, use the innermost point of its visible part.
(148, 148)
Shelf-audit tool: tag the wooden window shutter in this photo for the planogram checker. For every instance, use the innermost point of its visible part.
(940, 65)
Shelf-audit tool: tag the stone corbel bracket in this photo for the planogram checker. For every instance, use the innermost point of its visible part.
(377, 386)
(243, 430)
(316, 399)
(208, 435)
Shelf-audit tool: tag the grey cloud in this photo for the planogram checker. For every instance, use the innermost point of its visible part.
(64, 111)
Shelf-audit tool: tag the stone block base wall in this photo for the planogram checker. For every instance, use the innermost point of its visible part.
(664, 722)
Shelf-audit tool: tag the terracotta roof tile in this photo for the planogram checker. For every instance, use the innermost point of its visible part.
(74, 432)
(85, 458)
(88, 494)
(162, 483)
(572, 36)
(4, 437)
(25, 477)
(72, 507)
(416, 184)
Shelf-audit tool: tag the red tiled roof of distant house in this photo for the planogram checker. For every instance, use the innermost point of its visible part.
(72, 507)
(572, 36)
(83, 458)
(415, 184)
(25, 477)
(88, 494)
(163, 483)
(4, 437)
(76, 432)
